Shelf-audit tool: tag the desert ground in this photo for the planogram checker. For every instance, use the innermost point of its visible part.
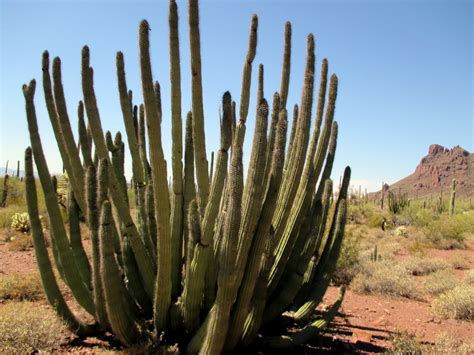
(410, 279)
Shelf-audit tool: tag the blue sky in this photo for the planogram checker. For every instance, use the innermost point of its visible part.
(405, 69)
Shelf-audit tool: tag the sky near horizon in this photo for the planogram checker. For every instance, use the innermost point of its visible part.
(405, 69)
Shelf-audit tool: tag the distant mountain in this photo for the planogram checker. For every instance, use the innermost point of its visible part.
(436, 171)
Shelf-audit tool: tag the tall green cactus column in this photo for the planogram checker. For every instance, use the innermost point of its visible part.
(452, 201)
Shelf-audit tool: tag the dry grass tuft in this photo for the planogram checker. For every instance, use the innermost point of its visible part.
(459, 262)
(440, 281)
(457, 303)
(25, 329)
(20, 287)
(385, 278)
(424, 266)
(20, 242)
(406, 343)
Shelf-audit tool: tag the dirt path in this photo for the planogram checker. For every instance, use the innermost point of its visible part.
(365, 324)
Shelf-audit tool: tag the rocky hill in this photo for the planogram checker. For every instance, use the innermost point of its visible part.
(436, 171)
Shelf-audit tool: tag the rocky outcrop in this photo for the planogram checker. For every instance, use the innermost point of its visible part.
(436, 171)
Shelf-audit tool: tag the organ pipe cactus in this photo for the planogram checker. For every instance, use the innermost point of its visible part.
(212, 262)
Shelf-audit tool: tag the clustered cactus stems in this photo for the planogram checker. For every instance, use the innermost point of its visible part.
(209, 263)
(21, 222)
(452, 201)
(397, 201)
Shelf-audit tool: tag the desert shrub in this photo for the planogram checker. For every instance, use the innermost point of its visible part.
(16, 191)
(20, 286)
(449, 232)
(469, 279)
(375, 220)
(406, 343)
(21, 222)
(417, 216)
(459, 262)
(26, 328)
(401, 231)
(20, 242)
(423, 266)
(347, 264)
(457, 303)
(385, 277)
(7, 213)
(440, 281)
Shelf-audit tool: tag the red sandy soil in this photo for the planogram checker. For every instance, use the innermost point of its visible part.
(365, 324)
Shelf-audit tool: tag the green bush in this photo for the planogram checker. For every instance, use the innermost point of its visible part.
(348, 262)
(418, 216)
(20, 287)
(457, 303)
(375, 220)
(16, 191)
(449, 232)
(7, 213)
(26, 328)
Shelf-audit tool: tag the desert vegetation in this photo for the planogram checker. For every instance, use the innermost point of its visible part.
(206, 259)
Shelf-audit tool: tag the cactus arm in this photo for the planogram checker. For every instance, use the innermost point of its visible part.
(83, 137)
(66, 258)
(260, 241)
(189, 185)
(307, 226)
(127, 113)
(296, 163)
(452, 201)
(203, 252)
(54, 119)
(328, 260)
(145, 264)
(294, 125)
(253, 193)
(93, 221)
(294, 275)
(310, 331)
(272, 135)
(160, 185)
(218, 325)
(51, 288)
(259, 298)
(75, 240)
(285, 70)
(177, 151)
(247, 70)
(301, 202)
(142, 142)
(119, 313)
(66, 131)
(194, 281)
(211, 169)
(199, 139)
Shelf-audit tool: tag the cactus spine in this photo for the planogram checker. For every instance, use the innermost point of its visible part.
(206, 262)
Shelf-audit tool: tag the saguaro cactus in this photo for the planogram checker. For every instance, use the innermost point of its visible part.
(204, 263)
(452, 201)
